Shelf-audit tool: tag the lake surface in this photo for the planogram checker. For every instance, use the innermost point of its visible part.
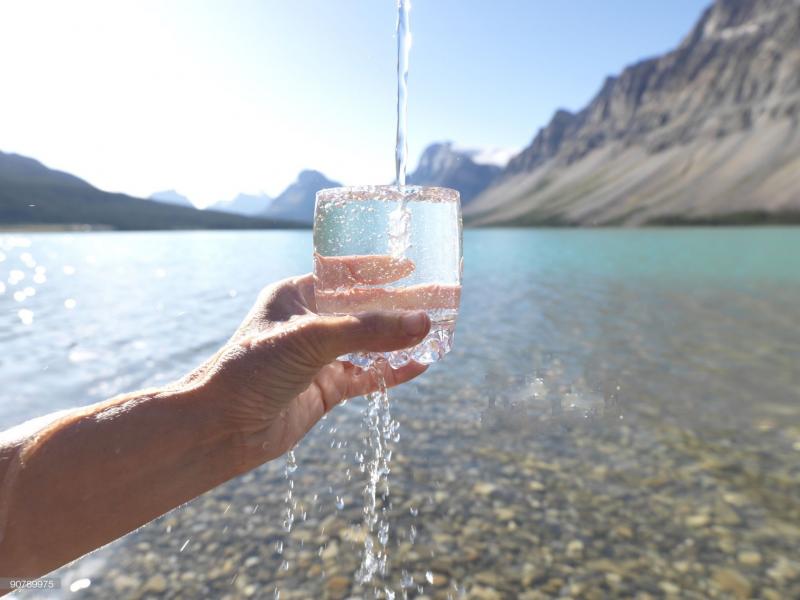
(620, 415)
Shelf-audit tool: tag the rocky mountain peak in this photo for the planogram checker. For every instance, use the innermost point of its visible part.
(309, 177)
(736, 72)
(442, 164)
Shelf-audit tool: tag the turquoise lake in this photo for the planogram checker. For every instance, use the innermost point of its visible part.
(620, 415)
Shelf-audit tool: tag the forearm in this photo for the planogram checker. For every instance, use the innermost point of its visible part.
(103, 471)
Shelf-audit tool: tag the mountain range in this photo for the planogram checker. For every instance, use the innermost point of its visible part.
(706, 133)
(441, 164)
(171, 197)
(249, 205)
(32, 194)
(295, 204)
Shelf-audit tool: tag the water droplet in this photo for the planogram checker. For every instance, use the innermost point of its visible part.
(414, 511)
(186, 543)
(25, 315)
(291, 462)
(80, 584)
(68, 270)
(339, 502)
(19, 296)
(429, 577)
(70, 303)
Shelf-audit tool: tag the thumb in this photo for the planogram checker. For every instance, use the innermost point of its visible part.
(332, 337)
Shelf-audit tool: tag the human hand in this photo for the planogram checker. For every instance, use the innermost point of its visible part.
(278, 374)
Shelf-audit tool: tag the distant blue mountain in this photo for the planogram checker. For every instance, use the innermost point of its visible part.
(296, 202)
(172, 197)
(244, 204)
(444, 165)
(31, 194)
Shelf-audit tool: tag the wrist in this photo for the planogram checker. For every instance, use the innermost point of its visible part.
(202, 409)
(195, 408)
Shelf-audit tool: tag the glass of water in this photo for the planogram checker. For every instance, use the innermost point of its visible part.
(390, 248)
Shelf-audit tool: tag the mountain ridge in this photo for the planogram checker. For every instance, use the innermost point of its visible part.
(706, 132)
(32, 194)
(443, 165)
(171, 197)
(243, 204)
(296, 202)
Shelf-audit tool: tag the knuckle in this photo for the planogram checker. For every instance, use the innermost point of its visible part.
(310, 341)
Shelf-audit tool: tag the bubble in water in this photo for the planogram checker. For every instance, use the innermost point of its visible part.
(339, 502)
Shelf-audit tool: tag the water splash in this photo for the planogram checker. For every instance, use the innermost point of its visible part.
(381, 431)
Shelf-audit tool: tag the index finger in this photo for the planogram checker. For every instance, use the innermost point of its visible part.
(331, 272)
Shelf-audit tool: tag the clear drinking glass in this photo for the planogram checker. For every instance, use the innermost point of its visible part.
(390, 248)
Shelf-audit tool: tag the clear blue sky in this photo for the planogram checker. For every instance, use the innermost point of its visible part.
(213, 98)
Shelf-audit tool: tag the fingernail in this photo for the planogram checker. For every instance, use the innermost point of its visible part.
(414, 323)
